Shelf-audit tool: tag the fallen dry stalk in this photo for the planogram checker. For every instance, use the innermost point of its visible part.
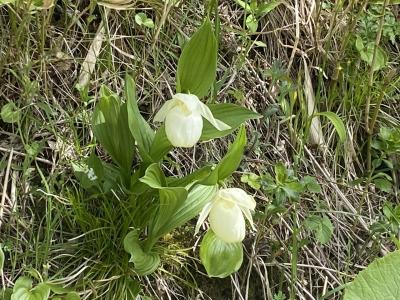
(5, 185)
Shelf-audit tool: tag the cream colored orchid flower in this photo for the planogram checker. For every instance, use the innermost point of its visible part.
(183, 120)
(225, 214)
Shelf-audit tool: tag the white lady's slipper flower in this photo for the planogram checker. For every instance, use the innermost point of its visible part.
(183, 119)
(225, 214)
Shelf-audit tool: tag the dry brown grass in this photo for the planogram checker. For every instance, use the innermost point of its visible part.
(36, 74)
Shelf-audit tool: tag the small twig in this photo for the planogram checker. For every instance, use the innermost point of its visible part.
(167, 7)
(5, 185)
(42, 160)
(297, 38)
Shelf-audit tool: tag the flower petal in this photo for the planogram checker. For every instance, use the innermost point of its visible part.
(227, 221)
(238, 196)
(203, 216)
(162, 113)
(248, 216)
(183, 130)
(191, 102)
(207, 114)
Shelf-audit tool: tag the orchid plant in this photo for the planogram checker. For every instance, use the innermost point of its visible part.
(158, 204)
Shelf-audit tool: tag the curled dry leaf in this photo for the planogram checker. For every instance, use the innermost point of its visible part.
(90, 61)
(316, 136)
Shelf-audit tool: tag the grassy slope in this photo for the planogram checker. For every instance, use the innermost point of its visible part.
(45, 227)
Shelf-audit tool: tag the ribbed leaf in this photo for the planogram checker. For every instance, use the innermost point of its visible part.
(145, 263)
(110, 126)
(380, 280)
(161, 145)
(72, 296)
(23, 290)
(337, 123)
(197, 175)
(138, 126)
(170, 200)
(231, 160)
(231, 114)
(197, 64)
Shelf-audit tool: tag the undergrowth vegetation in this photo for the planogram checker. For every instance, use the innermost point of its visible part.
(199, 149)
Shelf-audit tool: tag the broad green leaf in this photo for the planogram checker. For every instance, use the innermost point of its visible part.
(231, 160)
(311, 184)
(7, 2)
(265, 8)
(359, 43)
(197, 65)
(39, 292)
(10, 113)
(145, 263)
(6, 294)
(367, 55)
(337, 123)
(380, 280)
(198, 196)
(154, 177)
(252, 23)
(260, 44)
(33, 149)
(23, 282)
(244, 5)
(391, 2)
(72, 296)
(197, 175)
(220, 259)
(90, 172)
(293, 189)
(58, 288)
(110, 121)
(96, 164)
(138, 126)
(41, 4)
(124, 139)
(171, 199)
(142, 20)
(161, 145)
(321, 227)
(138, 187)
(231, 114)
(23, 290)
(280, 173)
(383, 184)
(132, 288)
(252, 180)
(177, 206)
